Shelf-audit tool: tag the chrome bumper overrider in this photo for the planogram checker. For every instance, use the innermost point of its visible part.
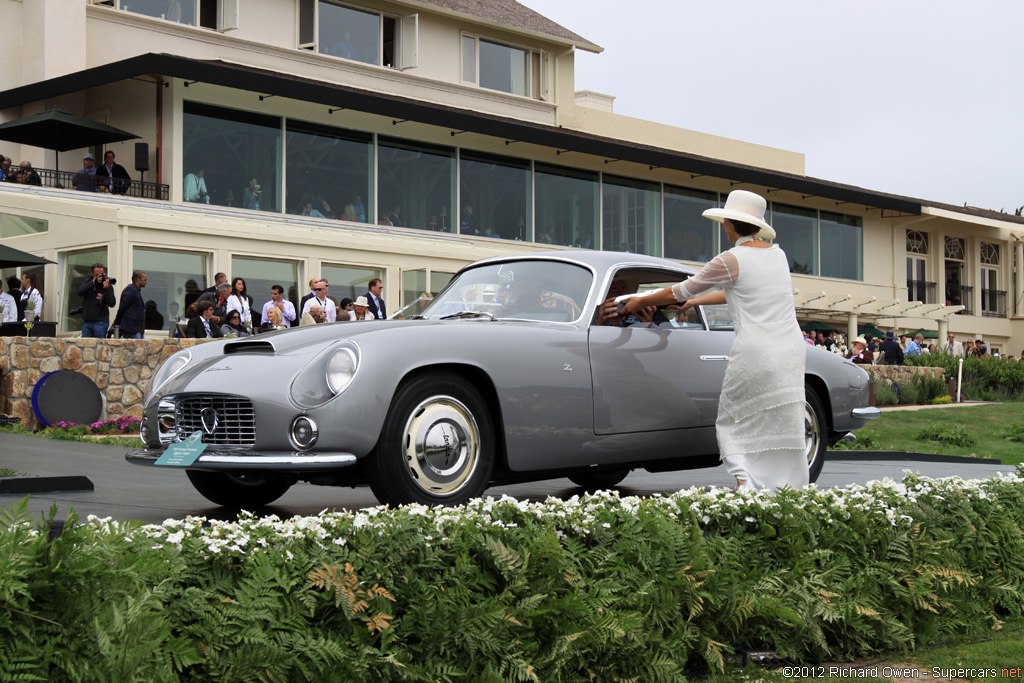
(869, 413)
(251, 459)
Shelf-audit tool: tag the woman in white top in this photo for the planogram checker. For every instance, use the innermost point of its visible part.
(239, 300)
(30, 293)
(760, 424)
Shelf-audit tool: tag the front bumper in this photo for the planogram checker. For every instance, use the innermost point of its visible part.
(251, 460)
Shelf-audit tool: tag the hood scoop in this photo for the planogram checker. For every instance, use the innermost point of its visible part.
(263, 348)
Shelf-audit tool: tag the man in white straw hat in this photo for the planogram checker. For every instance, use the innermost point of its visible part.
(760, 422)
(859, 353)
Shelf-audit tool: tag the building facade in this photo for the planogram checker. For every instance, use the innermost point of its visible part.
(288, 139)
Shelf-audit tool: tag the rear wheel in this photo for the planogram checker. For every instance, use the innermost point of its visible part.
(239, 490)
(815, 433)
(599, 479)
(437, 446)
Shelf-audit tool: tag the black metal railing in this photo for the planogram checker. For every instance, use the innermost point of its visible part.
(921, 290)
(993, 303)
(70, 180)
(961, 295)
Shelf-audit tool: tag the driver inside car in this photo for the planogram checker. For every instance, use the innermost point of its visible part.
(606, 312)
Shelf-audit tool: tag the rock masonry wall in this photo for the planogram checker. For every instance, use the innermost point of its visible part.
(121, 368)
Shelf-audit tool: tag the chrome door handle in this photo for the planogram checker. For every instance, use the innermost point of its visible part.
(714, 357)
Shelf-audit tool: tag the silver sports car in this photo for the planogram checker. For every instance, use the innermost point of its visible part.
(509, 374)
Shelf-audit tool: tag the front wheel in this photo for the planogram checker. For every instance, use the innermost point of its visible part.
(815, 434)
(239, 490)
(437, 446)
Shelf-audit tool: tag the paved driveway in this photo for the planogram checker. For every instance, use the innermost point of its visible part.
(153, 494)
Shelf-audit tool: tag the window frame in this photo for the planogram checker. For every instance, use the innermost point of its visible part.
(406, 34)
(536, 63)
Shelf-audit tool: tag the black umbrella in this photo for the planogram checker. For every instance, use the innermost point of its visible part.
(61, 131)
(12, 258)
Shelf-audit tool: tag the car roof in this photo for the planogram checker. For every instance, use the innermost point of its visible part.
(600, 261)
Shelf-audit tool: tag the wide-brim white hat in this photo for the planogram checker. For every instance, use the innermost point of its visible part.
(746, 207)
(361, 301)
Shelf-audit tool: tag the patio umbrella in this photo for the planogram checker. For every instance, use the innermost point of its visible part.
(927, 334)
(58, 130)
(12, 258)
(870, 329)
(815, 326)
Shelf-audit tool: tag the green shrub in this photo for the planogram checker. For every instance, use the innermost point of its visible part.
(929, 388)
(885, 395)
(950, 434)
(863, 442)
(590, 588)
(993, 374)
(941, 400)
(907, 394)
(1013, 432)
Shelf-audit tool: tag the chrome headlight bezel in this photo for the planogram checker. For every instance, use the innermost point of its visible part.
(168, 369)
(330, 373)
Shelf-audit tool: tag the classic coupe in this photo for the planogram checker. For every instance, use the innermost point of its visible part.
(508, 375)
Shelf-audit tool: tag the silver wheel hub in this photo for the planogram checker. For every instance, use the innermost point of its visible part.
(441, 445)
(812, 432)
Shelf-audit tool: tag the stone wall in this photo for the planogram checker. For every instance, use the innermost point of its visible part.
(900, 373)
(121, 368)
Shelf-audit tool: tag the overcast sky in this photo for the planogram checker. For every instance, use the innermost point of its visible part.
(913, 97)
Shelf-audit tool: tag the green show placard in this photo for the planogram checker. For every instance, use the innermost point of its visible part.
(183, 453)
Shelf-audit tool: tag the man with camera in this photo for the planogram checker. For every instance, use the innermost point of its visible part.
(251, 195)
(98, 298)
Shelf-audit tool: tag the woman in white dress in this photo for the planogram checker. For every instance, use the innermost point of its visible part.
(760, 424)
(239, 300)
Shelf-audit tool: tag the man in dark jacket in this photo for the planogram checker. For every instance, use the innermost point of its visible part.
(202, 326)
(890, 348)
(119, 180)
(98, 298)
(131, 314)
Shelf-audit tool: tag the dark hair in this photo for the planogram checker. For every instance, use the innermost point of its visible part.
(236, 279)
(203, 305)
(374, 282)
(277, 288)
(743, 229)
(344, 302)
(13, 282)
(97, 265)
(137, 275)
(33, 281)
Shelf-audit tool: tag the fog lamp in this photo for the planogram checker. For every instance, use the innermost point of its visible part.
(303, 432)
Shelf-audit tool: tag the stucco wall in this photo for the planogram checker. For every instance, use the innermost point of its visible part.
(121, 368)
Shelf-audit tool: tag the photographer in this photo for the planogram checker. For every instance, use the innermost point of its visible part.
(195, 188)
(251, 195)
(98, 298)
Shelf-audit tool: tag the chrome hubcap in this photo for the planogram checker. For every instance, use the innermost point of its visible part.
(442, 445)
(812, 433)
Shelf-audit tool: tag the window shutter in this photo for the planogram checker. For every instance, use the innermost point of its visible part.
(227, 15)
(409, 47)
(307, 24)
(544, 65)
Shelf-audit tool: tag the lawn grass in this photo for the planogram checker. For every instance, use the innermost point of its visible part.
(1002, 652)
(896, 430)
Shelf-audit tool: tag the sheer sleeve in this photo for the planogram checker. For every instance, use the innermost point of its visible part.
(717, 273)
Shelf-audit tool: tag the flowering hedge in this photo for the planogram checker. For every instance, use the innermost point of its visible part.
(590, 588)
(121, 425)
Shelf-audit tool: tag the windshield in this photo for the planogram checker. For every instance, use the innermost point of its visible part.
(549, 291)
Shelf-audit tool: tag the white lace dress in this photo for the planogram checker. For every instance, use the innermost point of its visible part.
(760, 422)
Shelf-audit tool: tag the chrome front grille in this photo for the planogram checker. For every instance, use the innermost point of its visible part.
(235, 423)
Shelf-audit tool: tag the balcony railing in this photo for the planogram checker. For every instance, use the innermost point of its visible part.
(993, 303)
(961, 296)
(48, 177)
(921, 290)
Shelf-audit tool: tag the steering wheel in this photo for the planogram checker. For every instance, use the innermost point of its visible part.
(562, 302)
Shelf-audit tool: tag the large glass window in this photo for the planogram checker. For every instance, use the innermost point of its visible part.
(239, 154)
(12, 226)
(495, 194)
(632, 216)
(349, 33)
(181, 11)
(78, 268)
(566, 205)
(349, 281)
(842, 249)
(170, 275)
(262, 274)
(797, 235)
(329, 172)
(688, 235)
(417, 185)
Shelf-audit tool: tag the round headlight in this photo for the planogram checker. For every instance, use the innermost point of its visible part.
(171, 367)
(303, 432)
(341, 368)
